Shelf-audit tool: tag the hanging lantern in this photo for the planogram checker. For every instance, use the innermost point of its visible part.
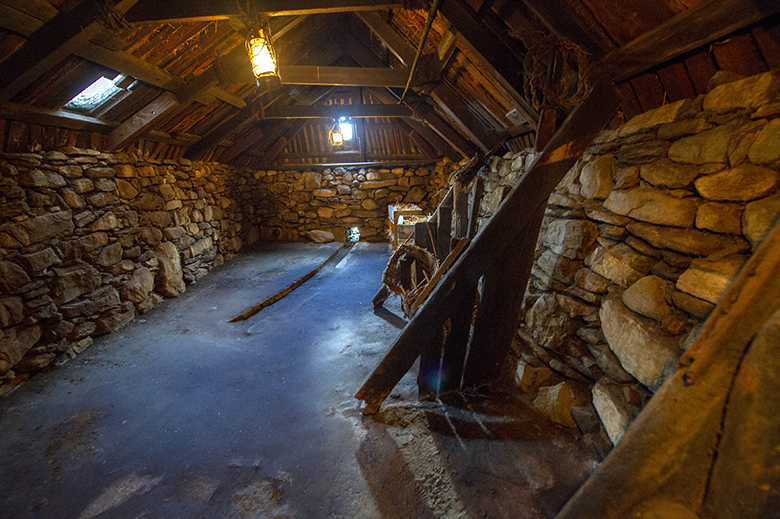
(335, 137)
(263, 58)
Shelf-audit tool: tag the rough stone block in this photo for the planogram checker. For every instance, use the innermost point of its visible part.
(12, 277)
(619, 263)
(743, 183)
(668, 174)
(648, 297)
(15, 343)
(654, 206)
(719, 217)
(708, 279)
(709, 146)
(11, 311)
(616, 414)
(556, 402)
(750, 92)
(687, 241)
(766, 148)
(573, 239)
(170, 280)
(41, 228)
(759, 217)
(639, 343)
(596, 177)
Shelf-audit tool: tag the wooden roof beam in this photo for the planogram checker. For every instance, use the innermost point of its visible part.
(277, 147)
(705, 22)
(58, 118)
(202, 10)
(57, 39)
(495, 57)
(335, 111)
(389, 36)
(141, 122)
(341, 76)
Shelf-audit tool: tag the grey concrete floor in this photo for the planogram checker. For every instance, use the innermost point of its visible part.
(182, 414)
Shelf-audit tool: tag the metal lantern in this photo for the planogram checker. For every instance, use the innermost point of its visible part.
(335, 137)
(263, 58)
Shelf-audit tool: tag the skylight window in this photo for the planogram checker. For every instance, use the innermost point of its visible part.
(346, 129)
(93, 95)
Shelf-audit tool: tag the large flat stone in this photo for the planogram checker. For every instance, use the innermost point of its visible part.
(560, 268)
(687, 241)
(573, 239)
(759, 217)
(709, 146)
(720, 217)
(15, 342)
(619, 263)
(99, 301)
(668, 174)
(740, 184)
(652, 118)
(39, 261)
(639, 343)
(708, 279)
(766, 147)
(41, 228)
(750, 92)
(71, 282)
(654, 206)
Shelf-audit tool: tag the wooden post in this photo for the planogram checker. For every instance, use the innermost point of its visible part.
(563, 150)
(444, 231)
(498, 314)
(460, 212)
(476, 202)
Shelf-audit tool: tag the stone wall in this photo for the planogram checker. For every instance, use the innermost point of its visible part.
(88, 240)
(639, 241)
(288, 204)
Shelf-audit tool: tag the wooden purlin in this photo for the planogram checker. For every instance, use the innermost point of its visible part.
(529, 193)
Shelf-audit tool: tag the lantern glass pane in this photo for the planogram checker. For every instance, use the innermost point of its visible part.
(263, 59)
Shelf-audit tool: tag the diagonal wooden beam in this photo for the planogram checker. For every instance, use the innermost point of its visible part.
(243, 143)
(451, 104)
(142, 121)
(495, 57)
(194, 11)
(389, 36)
(529, 193)
(277, 147)
(58, 118)
(707, 21)
(60, 37)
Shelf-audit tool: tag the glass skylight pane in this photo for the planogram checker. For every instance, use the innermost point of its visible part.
(346, 130)
(93, 95)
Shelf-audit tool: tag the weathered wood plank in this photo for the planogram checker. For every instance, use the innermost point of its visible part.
(342, 76)
(143, 120)
(335, 111)
(707, 21)
(59, 118)
(569, 143)
(499, 309)
(191, 11)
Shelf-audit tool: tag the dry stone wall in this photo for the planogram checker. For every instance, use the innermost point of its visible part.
(289, 205)
(639, 241)
(88, 240)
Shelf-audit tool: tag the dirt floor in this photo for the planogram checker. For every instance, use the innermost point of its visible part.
(182, 414)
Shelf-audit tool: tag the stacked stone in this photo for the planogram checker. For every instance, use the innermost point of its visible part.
(639, 241)
(89, 239)
(287, 205)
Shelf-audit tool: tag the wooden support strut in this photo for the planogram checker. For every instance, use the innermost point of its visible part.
(564, 149)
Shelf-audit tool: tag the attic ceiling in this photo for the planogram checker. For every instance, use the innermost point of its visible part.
(187, 89)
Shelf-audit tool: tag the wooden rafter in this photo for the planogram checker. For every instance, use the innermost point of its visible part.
(190, 11)
(277, 147)
(142, 121)
(335, 111)
(705, 22)
(495, 57)
(61, 36)
(341, 76)
(58, 118)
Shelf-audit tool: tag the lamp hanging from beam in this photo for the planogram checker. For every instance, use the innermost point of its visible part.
(263, 57)
(335, 136)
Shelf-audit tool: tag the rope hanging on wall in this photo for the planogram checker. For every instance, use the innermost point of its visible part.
(548, 69)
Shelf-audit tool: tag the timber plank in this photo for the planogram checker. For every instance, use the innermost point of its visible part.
(701, 69)
(676, 83)
(738, 55)
(564, 149)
